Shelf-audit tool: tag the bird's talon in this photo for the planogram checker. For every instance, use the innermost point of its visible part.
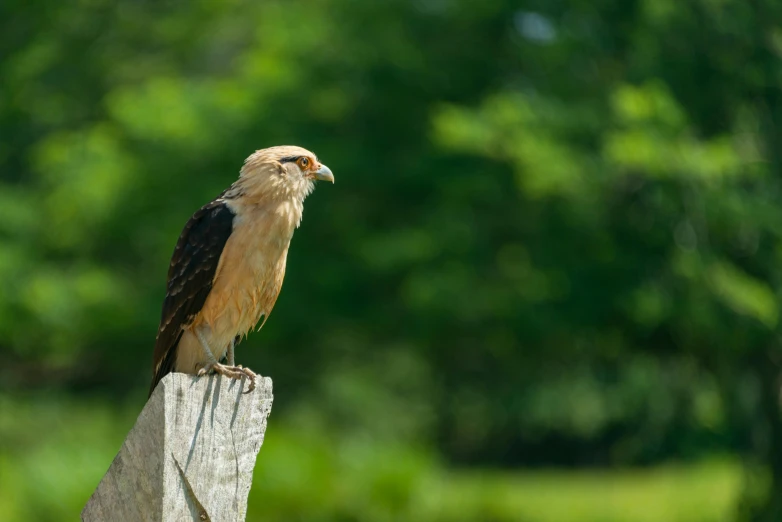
(251, 387)
(251, 376)
(232, 372)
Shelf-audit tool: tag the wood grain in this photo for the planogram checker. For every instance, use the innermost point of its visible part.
(190, 455)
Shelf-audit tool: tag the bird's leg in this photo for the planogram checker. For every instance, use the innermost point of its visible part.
(230, 355)
(205, 345)
(229, 370)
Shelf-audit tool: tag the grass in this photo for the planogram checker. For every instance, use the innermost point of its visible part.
(301, 477)
(53, 452)
(707, 492)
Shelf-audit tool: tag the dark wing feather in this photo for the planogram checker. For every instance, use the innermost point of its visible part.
(190, 278)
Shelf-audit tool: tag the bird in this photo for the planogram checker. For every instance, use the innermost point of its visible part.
(228, 265)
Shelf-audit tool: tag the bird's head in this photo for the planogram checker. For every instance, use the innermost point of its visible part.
(284, 172)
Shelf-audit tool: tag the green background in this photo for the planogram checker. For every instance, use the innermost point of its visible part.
(544, 287)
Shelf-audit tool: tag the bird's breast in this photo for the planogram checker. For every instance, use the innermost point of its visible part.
(248, 280)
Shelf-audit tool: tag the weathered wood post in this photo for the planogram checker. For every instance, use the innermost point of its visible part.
(190, 455)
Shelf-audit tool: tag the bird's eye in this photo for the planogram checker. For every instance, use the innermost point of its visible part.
(304, 163)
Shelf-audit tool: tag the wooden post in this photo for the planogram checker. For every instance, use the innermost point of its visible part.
(190, 455)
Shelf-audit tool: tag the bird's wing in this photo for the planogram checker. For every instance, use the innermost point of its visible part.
(190, 277)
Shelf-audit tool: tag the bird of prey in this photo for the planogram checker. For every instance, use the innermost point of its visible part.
(229, 262)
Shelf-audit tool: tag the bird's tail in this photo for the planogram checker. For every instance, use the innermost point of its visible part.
(166, 367)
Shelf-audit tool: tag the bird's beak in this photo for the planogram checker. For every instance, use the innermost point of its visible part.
(324, 174)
